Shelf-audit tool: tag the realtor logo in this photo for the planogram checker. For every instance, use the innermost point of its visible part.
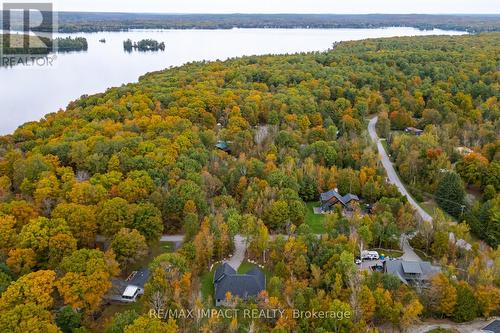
(27, 29)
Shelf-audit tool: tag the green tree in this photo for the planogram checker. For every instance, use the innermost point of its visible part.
(113, 215)
(68, 319)
(81, 221)
(467, 307)
(5, 280)
(383, 125)
(129, 247)
(277, 215)
(440, 245)
(147, 220)
(51, 239)
(120, 321)
(450, 194)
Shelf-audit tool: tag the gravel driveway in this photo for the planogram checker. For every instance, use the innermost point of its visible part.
(240, 248)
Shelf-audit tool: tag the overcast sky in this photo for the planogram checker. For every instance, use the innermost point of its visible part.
(283, 6)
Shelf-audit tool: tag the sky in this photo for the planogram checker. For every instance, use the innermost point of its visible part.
(282, 6)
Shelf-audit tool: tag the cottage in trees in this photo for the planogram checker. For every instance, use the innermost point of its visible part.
(127, 291)
(411, 272)
(331, 198)
(222, 145)
(414, 131)
(243, 286)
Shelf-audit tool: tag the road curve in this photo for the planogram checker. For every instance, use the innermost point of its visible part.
(391, 173)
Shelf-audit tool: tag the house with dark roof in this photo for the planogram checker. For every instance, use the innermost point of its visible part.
(244, 286)
(127, 291)
(331, 198)
(493, 327)
(411, 272)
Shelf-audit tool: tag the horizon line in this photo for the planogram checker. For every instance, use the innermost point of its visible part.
(276, 13)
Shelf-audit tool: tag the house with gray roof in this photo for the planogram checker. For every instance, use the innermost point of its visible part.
(331, 198)
(411, 272)
(244, 286)
(493, 327)
(414, 131)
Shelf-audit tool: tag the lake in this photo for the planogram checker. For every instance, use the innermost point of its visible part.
(28, 93)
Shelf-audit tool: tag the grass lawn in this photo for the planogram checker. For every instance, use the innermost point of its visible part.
(156, 249)
(389, 253)
(430, 206)
(245, 267)
(110, 310)
(207, 283)
(315, 221)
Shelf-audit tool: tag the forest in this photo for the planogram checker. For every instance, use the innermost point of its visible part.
(86, 192)
(40, 45)
(70, 44)
(70, 22)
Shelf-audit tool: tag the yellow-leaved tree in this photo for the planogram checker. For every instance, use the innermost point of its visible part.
(86, 278)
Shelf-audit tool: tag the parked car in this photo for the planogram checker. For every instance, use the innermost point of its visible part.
(370, 255)
(357, 261)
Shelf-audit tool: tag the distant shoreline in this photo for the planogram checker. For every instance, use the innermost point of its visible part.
(74, 22)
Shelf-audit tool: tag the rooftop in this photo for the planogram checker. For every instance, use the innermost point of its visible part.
(493, 327)
(408, 271)
(130, 291)
(242, 285)
(138, 278)
(326, 196)
(411, 267)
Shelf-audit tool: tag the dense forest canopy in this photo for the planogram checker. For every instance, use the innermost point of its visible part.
(91, 22)
(140, 160)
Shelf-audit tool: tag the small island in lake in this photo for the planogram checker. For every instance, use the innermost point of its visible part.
(69, 44)
(143, 45)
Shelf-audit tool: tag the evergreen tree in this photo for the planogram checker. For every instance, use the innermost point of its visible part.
(451, 194)
(467, 307)
(68, 319)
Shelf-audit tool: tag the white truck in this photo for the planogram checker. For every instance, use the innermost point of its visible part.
(369, 255)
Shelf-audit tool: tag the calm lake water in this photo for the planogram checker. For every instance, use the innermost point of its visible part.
(26, 94)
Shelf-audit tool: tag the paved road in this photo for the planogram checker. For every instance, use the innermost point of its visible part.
(391, 173)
